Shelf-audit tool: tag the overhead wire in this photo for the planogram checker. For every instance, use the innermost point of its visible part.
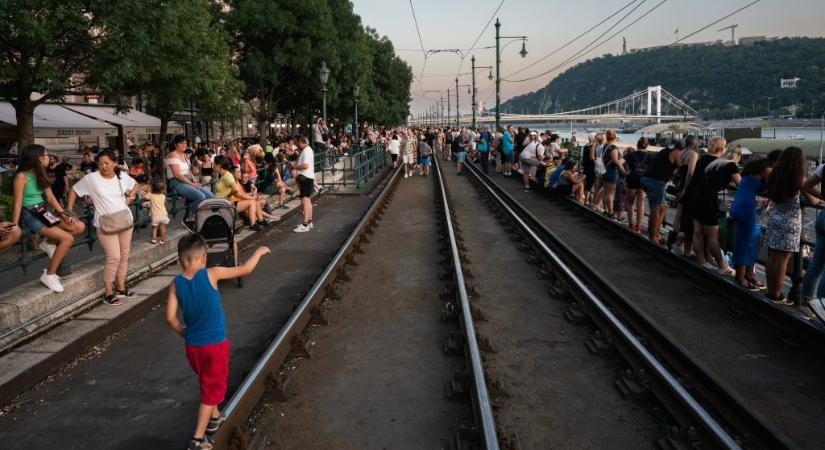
(585, 50)
(573, 40)
(716, 22)
(464, 56)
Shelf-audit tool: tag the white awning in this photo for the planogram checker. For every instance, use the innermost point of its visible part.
(52, 121)
(133, 122)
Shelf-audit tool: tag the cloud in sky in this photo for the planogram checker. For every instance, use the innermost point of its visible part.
(549, 24)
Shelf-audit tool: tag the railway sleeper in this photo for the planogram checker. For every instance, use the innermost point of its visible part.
(454, 344)
(279, 386)
(450, 312)
(508, 441)
(317, 316)
(459, 386)
(467, 438)
(633, 384)
(600, 343)
(679, 438)
(576, 313)
(239, 438)
(300, 348)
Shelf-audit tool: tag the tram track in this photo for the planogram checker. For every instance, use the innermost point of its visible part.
(707, 410)
(335, 379)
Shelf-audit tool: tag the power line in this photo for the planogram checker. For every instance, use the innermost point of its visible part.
(573, 40)
(461, 64)
(585, 50)
(715, 22)
(420, 42)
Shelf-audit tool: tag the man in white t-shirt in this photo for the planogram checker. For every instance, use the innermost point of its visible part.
(304, 170)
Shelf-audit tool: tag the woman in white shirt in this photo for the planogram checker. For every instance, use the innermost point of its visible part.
(395, 149)
(179, 176)
(111, 191)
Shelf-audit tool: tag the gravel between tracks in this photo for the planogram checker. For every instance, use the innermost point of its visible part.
(377, 374)
(557, 394)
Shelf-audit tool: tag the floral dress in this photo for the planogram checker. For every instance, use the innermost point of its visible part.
(785, 226)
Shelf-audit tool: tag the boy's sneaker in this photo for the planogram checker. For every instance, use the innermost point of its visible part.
(153, 241)
(214, 424)
(302, 228)
(47, 248)
(200, 444)
(51, 281)
(311, 225)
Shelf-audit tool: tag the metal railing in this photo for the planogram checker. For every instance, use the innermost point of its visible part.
(353, 169)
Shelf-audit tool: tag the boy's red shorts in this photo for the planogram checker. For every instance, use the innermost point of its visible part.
(211, 363)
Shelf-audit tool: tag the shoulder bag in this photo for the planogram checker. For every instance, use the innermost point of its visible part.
(117, 221)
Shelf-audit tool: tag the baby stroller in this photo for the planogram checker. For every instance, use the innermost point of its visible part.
(215, 223)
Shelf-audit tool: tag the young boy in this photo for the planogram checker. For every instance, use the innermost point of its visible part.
(204, 332)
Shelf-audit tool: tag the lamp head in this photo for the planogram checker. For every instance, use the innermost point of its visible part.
(523, 51)
(323, 73)
(355, 91)
(490, 76)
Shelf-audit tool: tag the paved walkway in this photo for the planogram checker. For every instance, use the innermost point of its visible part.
(137, 391)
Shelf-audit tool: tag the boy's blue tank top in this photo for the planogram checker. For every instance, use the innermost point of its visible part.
(202, 310)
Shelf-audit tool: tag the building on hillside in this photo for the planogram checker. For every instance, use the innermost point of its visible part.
(750, 40)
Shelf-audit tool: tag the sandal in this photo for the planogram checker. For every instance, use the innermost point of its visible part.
(727, 271)
(756, 286)
(112, 300)
(781, 301)
(124, 293)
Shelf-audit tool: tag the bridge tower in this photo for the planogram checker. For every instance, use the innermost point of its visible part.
(651, 92)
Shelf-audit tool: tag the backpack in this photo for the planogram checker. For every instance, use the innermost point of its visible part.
(600, 168)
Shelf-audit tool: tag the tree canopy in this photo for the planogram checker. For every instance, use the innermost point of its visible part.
(714, 80)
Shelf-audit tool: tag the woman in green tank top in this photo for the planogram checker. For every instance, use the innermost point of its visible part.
(31, 191)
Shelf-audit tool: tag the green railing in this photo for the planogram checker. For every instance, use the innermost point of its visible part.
(352, 170)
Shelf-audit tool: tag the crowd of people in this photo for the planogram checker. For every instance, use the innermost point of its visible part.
(636, 186)
(45, 192)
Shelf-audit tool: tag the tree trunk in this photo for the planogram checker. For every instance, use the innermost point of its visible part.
(263, 131)
(164, 126)
(24, 112)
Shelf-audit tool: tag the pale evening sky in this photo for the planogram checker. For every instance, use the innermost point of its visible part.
(549, 24)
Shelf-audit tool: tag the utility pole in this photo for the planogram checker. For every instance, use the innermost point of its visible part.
(498, 75)
(457, 123)
(473, 70)
(449, 113)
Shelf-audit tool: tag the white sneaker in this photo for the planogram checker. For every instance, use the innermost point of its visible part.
(51, 281)
(302, 228)
(311, 225)
(47, 248)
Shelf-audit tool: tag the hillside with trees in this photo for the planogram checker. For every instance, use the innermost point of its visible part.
(720, 82)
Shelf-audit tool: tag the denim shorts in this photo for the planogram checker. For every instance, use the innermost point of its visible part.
(507, 158)
(426, 161)
(655, 190)
(460, 157)
(29, 222)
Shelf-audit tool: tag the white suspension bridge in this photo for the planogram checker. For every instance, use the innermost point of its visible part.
(654, 104)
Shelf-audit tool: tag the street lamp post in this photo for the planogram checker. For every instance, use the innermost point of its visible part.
(473, 70)
(457, 114)
(355, 91)
(323, 74)
(523, 54)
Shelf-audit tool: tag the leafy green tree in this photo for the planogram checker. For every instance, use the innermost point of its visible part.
(387, 97)
(719, 81)
(44, 45)
(182, 61)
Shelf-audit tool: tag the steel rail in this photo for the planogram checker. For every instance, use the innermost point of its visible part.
(485, 410)
(245, 398)
(704, 418)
